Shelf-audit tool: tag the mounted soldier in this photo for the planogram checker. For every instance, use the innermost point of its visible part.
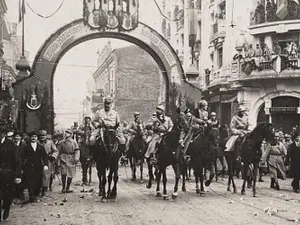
(136, 126)
(105, 119)
(201, 114)
(213, 122)
(161, 125)
(239, 127)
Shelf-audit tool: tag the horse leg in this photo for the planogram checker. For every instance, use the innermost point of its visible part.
(202, 193)
(196, 174)
(176, 169)
(158, 194)
(110, 177)
(216, 169)
(150, 174)
(165, 193)
(211, 175)
(245, 176)
(103, 184)
(230, 172)
(99, 174)
(184, 175)
(116, 179)
(254, 180)
(141, 169)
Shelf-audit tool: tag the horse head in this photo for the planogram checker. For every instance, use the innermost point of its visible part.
(110, 140)
(264, 130)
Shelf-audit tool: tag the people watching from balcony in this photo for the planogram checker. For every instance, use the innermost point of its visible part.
(259, 13)
(277, 49)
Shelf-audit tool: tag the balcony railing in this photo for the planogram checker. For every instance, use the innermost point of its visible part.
(269, 15)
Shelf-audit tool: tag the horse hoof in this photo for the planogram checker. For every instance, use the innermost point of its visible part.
(142, 181)
(207, 183)
(165, 197)
(234, 191)
(198, 191)
(183, 189)
(202, 193)
(158, 194)
(174, 195)
(133, 179)
(243, 192)
(148, 186)
(228, 189)
(254, 194)
(104, 200)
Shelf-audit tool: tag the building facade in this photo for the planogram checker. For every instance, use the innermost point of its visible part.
(132, 78)
(251, 58)
(182, 28)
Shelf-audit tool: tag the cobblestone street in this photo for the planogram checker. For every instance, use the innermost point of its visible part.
(138, 205)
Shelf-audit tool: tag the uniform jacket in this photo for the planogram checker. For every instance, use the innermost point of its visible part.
(202, 115)
(161, 125)
(239, 124)
(294, 157)
(108, 119)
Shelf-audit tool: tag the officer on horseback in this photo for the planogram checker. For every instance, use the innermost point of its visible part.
(161, 125)
(201, 114)
(107, 118)
(137, 125)
(239, 127)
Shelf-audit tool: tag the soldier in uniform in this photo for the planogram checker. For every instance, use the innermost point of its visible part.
(52, 154)
(84, 146)
(107, 118)
(213, 122)
(239, 127)
(161, 124)
(10, 172)
(136, 125)
(67, 159)
(75, 129)
(201, 114)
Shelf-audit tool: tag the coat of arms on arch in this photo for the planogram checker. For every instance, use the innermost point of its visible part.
(111, 14)
(33, 99)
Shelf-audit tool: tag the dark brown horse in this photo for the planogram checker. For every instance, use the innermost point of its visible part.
(136, 152)
(250, 153)
(203, 155)
(167, 154)
(106, 156)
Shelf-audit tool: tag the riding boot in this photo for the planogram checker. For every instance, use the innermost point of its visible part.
(51, 182)
(277, 186)
(63, 180)
(260, 178)
(69, 181)
(44, 189)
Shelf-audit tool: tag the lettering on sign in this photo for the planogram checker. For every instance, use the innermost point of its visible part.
(162, 46)
(61, 39)
(283, 110)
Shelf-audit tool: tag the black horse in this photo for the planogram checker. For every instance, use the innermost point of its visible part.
(250, 154)
(136, 152)
(107, 157)
(203, 156)
(167, 154)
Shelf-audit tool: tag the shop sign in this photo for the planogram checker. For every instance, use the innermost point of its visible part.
(283, 110)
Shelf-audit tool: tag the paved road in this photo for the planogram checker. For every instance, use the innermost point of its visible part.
(138, 205)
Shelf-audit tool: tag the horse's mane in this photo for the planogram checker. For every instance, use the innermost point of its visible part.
(259, 127)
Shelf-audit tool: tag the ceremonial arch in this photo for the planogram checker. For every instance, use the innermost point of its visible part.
(35, 93)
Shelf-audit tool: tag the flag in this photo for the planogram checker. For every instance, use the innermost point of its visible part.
(22, 10)
(282, 10)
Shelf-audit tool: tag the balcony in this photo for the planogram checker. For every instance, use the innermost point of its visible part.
(216, 77)
(218, 30)
(278, 66)
(270, 23)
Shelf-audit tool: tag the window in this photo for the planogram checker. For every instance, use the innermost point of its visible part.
(198, 4)
(220, 57)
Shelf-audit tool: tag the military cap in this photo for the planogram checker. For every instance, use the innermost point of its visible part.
(68, 131)
(108, 100)
(160, 107)
(242, 109)
(136, 113)
(213, 114)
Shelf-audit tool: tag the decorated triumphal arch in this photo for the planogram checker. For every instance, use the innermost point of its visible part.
(35, 93)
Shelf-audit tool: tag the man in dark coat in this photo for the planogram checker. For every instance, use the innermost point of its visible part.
(20, 145)
(36, 161)
(10, 172)
(294, 158)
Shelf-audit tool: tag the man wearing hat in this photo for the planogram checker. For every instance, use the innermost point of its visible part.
(52, 154)
(161, 124)
(213, 122)
(137, 125)
(107, 118)
(10, 171)
(201, 113)
(35, 163)
(68, 157)
(239, 126)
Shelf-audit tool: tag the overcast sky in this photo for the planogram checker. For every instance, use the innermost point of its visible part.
(69, 78)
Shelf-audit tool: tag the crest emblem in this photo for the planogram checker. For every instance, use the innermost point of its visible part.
(111, 14)
(33, 101)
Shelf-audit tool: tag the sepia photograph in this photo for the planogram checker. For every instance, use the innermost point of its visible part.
(149, 112)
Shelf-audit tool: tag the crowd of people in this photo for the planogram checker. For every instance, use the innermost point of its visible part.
(29, 163)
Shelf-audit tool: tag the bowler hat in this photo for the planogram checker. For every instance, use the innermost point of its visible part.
(43, 133)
